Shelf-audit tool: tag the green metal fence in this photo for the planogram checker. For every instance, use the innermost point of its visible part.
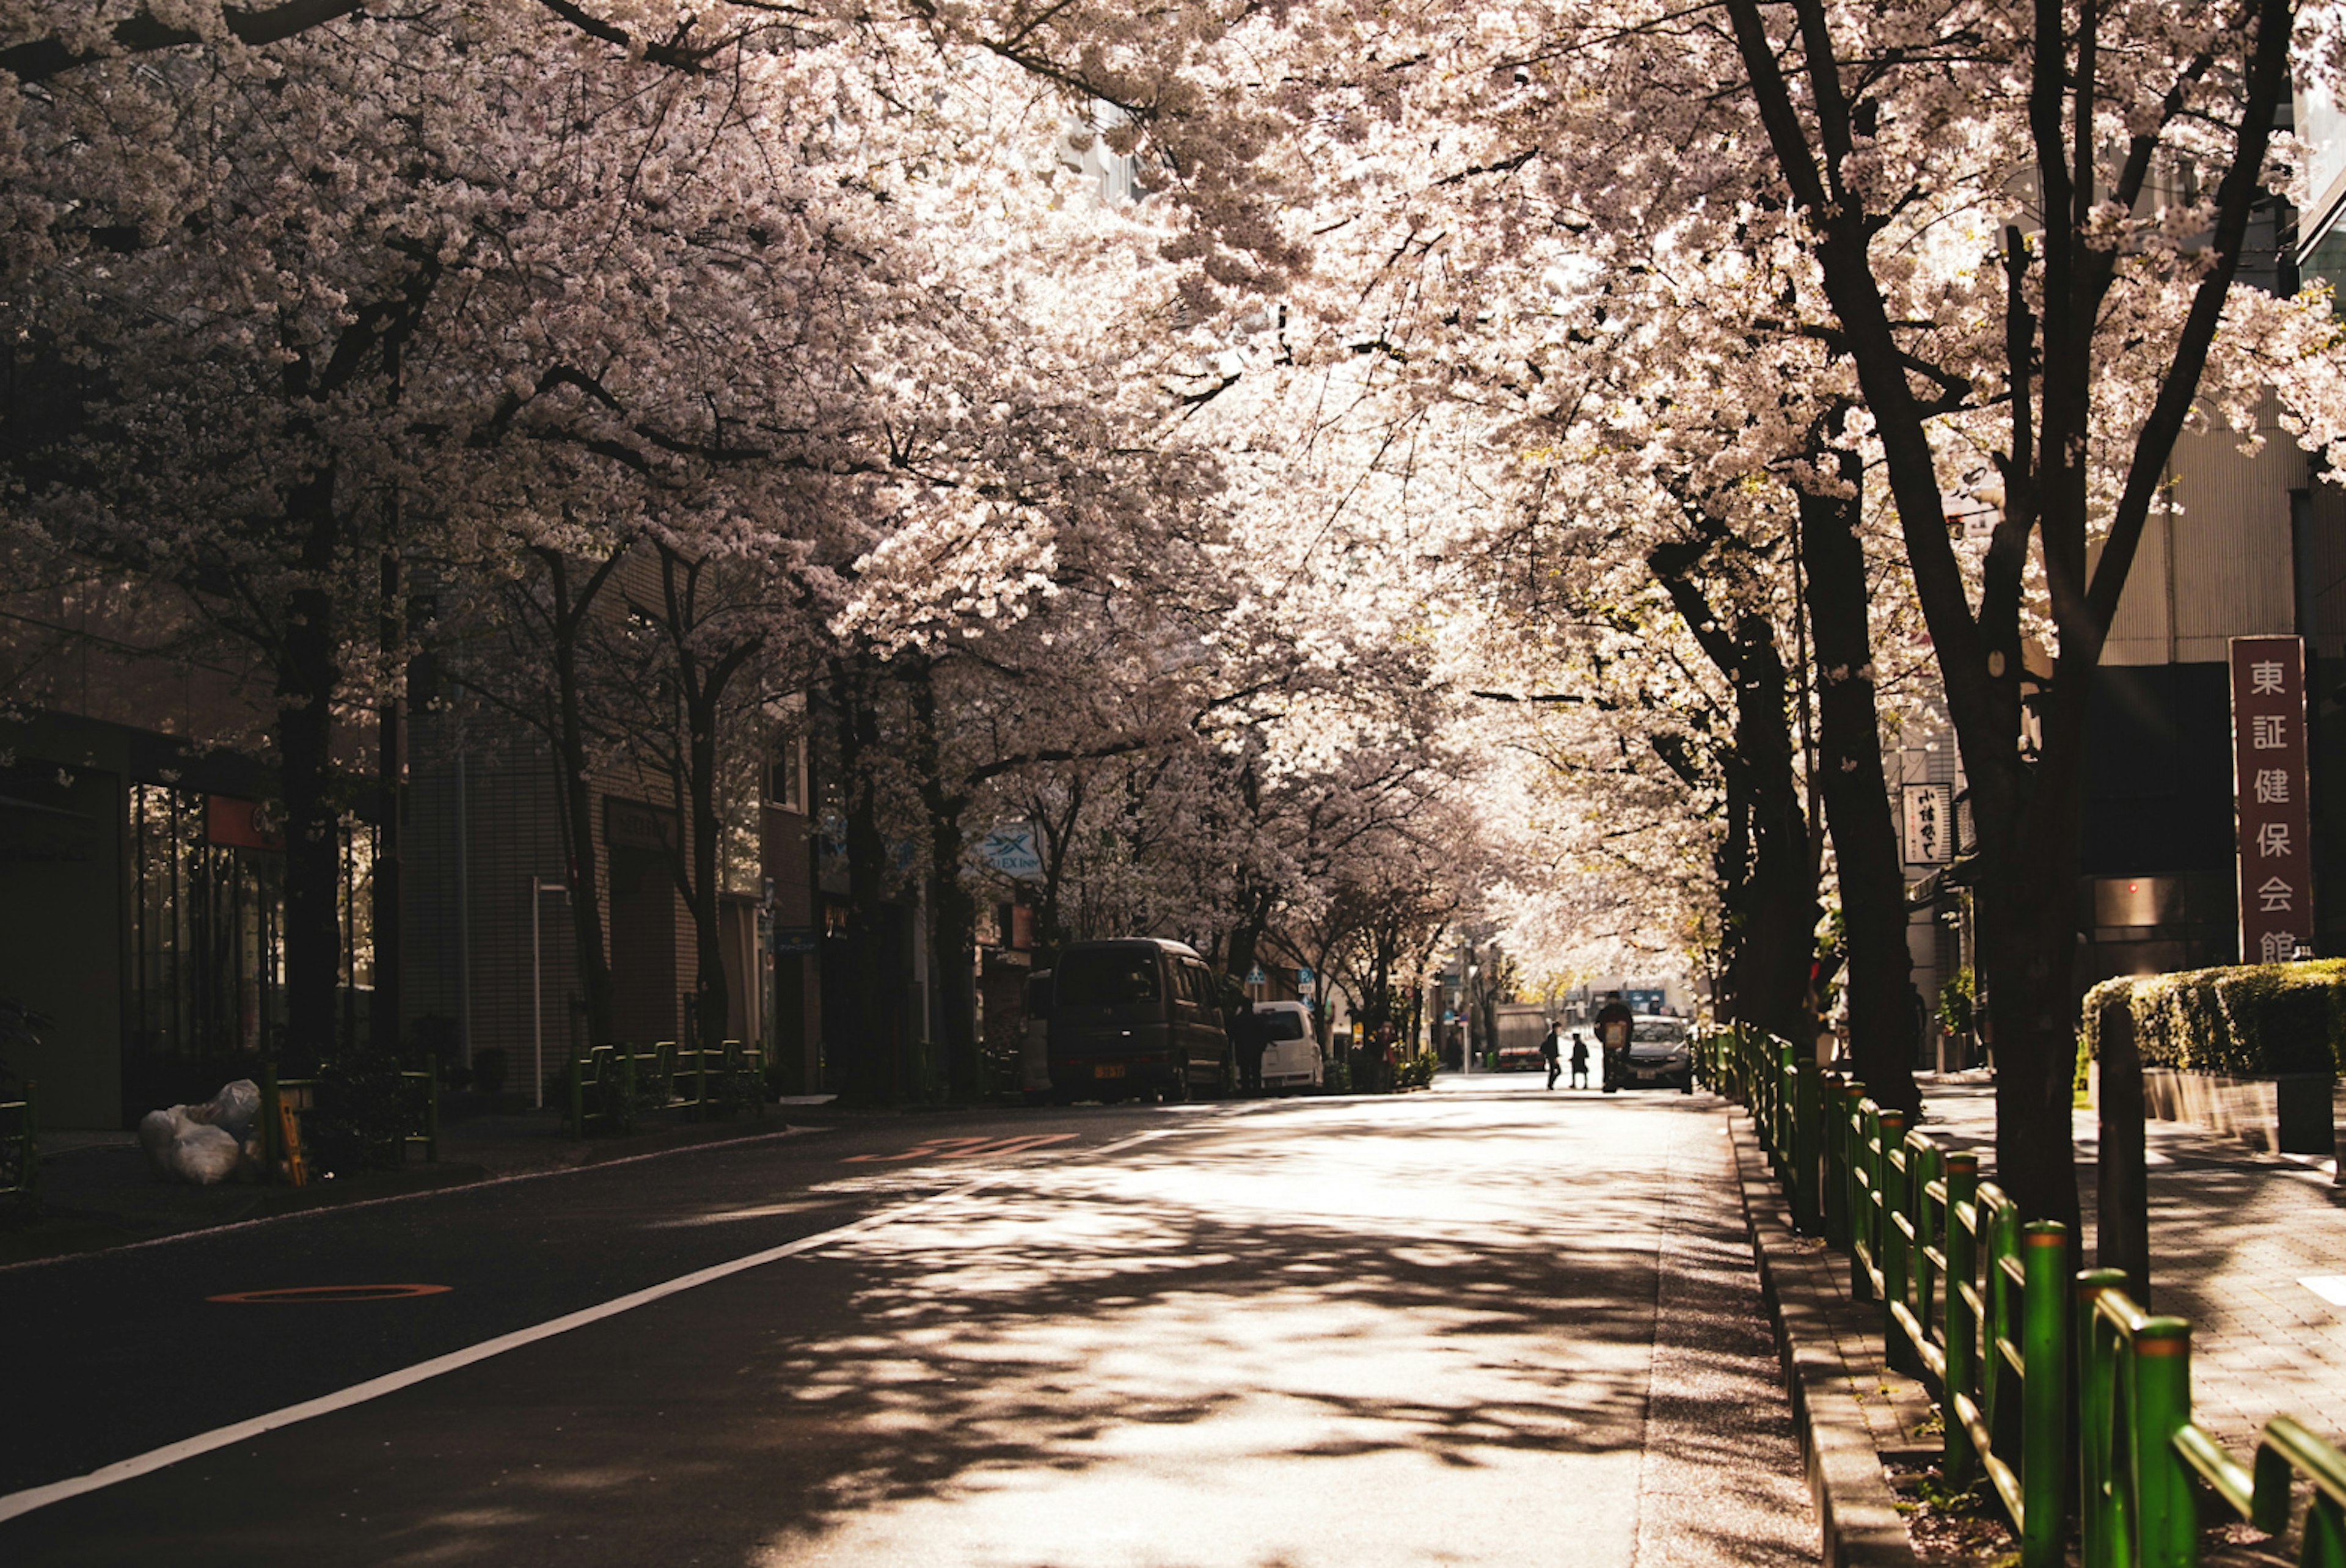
(2143, 1463)
(611, 1085)
(1987, 1311)
(20, 1145)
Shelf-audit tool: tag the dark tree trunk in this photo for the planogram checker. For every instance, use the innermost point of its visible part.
(865, 1049)
(307, 681)
(705, 894)
(1771, 896)
(951, 904)
(565, 625)
(1866, 851)
(1780, 939)
(386, 1024)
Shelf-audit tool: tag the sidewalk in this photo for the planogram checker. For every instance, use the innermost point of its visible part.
(96, 1190)
(2232, 1233)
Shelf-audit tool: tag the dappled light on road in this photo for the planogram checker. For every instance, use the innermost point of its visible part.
(1390, 1332)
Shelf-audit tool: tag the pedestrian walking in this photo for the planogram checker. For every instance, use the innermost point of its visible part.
(1552, 1052)
(1249, 1037)
(1579, 1061)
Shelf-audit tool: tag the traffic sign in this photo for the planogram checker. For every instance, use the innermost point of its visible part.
(1255, 976)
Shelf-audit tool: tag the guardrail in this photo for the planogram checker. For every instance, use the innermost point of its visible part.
(2141, 1458)
(282, 1101)
(1985, 1309)
(20, 1151)
(621, 1080)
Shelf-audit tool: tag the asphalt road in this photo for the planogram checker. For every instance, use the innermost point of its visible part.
(1487, 1325)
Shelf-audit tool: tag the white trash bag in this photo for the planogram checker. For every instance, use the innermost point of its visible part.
(202, 1145)
(236, 1109)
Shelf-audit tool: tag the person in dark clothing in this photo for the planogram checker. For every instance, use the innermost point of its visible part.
(1579, 1061)
(1249, 1038)
(1552, 1052)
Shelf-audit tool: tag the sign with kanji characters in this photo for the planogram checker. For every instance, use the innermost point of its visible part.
(1929, 823)
(2269, 793)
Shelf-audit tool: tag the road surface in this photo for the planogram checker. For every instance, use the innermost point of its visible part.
(1487, 1325)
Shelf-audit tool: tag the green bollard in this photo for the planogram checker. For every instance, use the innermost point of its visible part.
(2101, 1526)
(1962, 1324)
(1893, 1258)
(2165, 1518)
(2045, 1390)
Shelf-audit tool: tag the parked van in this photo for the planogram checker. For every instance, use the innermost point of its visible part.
(1136, 1016)
(1290, 1058)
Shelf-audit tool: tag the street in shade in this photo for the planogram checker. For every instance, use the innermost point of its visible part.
(1487, 1324)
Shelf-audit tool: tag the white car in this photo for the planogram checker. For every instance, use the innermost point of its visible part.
(1292, 1059)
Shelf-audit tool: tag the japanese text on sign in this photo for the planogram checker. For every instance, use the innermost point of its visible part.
(2269, 789)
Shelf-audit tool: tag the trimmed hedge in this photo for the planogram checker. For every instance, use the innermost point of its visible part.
(2246, 1020)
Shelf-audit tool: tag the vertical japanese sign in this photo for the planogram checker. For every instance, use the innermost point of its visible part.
(1930, 813)
(2268, 792)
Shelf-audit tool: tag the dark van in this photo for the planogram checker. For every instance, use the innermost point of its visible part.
(1136, 1016)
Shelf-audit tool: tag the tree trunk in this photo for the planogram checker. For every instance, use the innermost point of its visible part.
(567, 623)
(385, 1025)
(1779, 935)
(2122, 1187)
(705, 894)
(307, 678)
(1866, 851)
(865, 1050)
(950, 900)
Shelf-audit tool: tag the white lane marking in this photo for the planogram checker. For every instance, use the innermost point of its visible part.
(323, 1209)
(17, 1503)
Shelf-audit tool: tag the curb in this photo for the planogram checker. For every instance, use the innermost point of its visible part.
(1856, 1510)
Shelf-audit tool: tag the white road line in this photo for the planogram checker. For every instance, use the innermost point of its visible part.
(17, 1503)
(486, 1182)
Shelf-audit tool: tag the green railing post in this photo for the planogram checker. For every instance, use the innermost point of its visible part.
(1894, 1258)
(2045, 1390)
(2166, 1520)
(1780, 1064)
(1833, 1199)
(1960, 1464)
(1807, 1213)
(2101, 1528)
(1865, 1187)
(1922, 1160)
(578, 1097)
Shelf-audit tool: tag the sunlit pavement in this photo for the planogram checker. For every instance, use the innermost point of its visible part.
(1491, 1324)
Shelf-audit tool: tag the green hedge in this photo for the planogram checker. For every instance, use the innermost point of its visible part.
(2246, 1020)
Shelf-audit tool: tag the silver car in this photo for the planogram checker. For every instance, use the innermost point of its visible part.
(1659, 1054)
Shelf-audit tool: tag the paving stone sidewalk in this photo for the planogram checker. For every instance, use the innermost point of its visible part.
(2233, 1232)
